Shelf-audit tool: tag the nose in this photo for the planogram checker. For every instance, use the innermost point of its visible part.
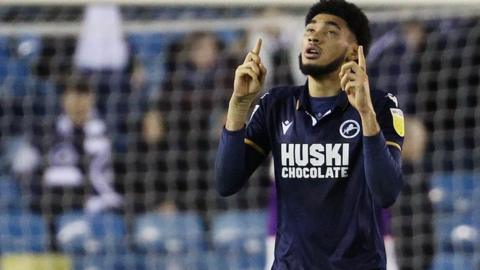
(312, 39)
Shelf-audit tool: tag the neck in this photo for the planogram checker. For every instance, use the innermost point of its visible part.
(327, 86)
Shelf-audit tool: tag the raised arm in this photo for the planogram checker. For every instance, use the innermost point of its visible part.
(382, 160)
(236, 160)
(249, 79)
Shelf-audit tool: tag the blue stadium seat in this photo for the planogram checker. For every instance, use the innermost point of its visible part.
(455, 192)
(206, 260)
(238, 260)
(457, 219)
(148, 45)
(240, 236)
(235, 260)
(109, 262)
(197, 261)
(23, 233)
(229, 36)
(103, 233)
(450, 261)
(29, 47)
(150, 49)
(194, 260)
(457, 233)
(10, 196)
(4, 48)
(177, 233)
(217, 260)
(13, 77)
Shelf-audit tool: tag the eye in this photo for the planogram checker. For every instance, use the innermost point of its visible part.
(332, 33)
(309, 30)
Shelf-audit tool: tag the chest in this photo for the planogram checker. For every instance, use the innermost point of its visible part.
(305, 146)
(299, 126)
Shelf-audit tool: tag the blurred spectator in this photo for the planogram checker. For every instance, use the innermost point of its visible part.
(74, 170)
(143, 167)
(280, 46)
(394, 62)
(198, 62)
(103, 54)
(189, 101)
(433, 68)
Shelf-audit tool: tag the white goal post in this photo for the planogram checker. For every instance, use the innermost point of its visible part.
(377, 11)
(247, 3)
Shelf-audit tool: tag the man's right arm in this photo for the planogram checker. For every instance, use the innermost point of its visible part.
(235, 161)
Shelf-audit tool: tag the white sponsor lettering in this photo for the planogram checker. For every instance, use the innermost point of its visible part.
(313, 161)
(301, 154)
(333, 155)
(314, 172)
(288, 157)
(317, 158)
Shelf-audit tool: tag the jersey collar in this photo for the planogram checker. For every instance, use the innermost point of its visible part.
(303, 102)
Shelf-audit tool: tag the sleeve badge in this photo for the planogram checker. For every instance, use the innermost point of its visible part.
(398, 121)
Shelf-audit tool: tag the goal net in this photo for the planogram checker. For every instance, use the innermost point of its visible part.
(113, 168)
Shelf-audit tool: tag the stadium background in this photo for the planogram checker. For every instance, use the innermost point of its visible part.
(162, 94)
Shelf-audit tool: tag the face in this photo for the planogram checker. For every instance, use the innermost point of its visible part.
(77, 106)
(204, 52)
(153, 127)
(415, 36)
(327, 44)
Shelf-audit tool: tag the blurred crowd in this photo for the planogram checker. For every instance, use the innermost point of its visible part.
(128, 123)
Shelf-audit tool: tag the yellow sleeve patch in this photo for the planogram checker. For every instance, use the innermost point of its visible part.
(398, 121)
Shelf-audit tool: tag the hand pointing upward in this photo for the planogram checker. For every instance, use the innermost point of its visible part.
(354, 82)
(250, 76)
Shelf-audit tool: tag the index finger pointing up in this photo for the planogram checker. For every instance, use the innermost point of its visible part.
(258, 46)
(361, 58)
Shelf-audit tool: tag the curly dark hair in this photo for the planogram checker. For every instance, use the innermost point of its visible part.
(356, 19)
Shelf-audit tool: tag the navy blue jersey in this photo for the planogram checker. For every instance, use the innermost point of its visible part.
(328, 192)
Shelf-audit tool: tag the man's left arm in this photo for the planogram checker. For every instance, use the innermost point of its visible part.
(382, 153)
(382, 133)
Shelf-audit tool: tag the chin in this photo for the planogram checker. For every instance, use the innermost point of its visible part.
(316, 62)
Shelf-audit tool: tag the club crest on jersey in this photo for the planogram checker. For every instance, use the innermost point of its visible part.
(349, 129)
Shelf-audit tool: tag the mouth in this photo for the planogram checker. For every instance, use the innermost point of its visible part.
(312, 52)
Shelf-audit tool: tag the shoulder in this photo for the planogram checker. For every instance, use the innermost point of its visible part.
(382, 99)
